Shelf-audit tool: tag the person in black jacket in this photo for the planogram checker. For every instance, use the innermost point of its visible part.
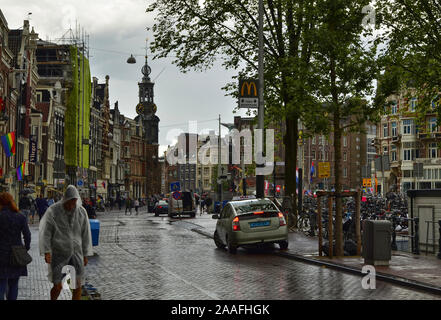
(13, 225)
(25, 205)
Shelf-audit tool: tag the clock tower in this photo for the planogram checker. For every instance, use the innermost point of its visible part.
(146, 108)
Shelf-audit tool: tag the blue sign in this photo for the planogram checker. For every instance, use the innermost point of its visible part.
(176, 195)
(175, 186)
(80, 183)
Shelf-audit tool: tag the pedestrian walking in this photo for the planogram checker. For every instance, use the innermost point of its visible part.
(202, 206)
(33, 209)
(65, 239)
(25, 206)
(208, 203)
(42, 205)
(120, 203)
(13, 226)
(136, 206)
(129, 205)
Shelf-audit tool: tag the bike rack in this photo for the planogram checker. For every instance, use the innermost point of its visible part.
(331, 195)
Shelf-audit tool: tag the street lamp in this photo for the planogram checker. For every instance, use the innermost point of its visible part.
(131, 59)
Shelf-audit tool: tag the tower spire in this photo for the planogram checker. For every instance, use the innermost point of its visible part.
(146, 70)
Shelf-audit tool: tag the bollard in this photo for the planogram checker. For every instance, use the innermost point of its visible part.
(394, 234)
(417, 237)
(439, 242)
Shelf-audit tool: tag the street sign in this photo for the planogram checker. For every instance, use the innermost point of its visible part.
(367, 182)
(278, 188)
(249, 93)
(177, 195)
(175, 186)
(324, 170)
(80, 183)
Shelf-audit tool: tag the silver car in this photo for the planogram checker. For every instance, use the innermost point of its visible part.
(250, 222)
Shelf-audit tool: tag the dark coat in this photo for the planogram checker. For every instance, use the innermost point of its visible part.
(12, 226)
(41, 205)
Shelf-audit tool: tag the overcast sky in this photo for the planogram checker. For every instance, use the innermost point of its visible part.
(120, 25)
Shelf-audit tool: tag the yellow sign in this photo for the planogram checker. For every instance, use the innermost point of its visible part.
(249, 85)
(367, 182)
(324, 170)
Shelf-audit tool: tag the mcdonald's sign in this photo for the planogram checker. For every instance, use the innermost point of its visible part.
(248, 93)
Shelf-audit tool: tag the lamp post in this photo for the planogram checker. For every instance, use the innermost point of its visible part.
(260, 177)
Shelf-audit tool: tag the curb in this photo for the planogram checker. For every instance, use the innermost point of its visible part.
(380, 276)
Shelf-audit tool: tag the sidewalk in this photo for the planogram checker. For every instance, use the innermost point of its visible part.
(36, 285)
(420, 270)
(417, 271)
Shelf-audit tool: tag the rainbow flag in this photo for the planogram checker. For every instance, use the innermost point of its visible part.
(20, 171)
(8, 142)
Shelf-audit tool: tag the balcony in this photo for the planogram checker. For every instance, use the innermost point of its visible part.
(427, 135)
(429, 161)
(396, 139)
(395, 164)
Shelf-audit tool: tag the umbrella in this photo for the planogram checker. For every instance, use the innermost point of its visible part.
(27, 191)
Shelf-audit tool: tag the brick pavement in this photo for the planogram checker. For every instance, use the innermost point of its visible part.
(146, 257)
(421, 268)
(153, 258)
(36, 285)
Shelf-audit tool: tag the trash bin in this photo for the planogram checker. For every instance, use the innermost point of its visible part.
(95, 230)
(377, 242)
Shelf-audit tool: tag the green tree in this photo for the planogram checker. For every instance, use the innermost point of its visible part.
(412, 53)
(344, 70)
(227, 31)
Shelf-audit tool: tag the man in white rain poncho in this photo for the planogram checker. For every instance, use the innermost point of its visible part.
(65, 239)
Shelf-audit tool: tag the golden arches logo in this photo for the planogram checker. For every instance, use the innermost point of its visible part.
(249, 86)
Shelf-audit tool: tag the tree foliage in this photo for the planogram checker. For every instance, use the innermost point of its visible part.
(412, 53)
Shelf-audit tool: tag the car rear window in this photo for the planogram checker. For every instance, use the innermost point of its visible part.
(162, 203)
(247, 207)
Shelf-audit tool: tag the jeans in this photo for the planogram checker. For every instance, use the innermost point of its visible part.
(26, 213)
(9, 289)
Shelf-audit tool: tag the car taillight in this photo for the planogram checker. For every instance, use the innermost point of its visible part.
(159, 207)
(258, 212)
(282, 221)
(236, 225)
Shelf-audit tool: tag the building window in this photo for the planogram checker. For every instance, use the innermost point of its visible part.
(313, 155)
(407, 154)
(313, 140)
(345, 141)
(413, 104)
(394, 107)
(345, 156)
(394, 129)
(407, 126)
(432, 150)
(385, 131)
(345, 172)
(432, 124)
(393, 153)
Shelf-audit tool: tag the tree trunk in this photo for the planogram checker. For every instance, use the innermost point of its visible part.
(337, 152)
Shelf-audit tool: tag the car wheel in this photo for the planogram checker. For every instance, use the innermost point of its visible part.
(283, 245)
(218, 241)
(193, 215)
(156, 214)
(231, 248)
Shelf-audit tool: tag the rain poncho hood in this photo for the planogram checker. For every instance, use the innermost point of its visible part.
(66, 235)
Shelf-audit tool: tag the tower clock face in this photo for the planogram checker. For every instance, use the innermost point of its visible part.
(140, 108)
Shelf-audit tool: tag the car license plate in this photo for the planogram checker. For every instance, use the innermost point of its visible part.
(259, 224)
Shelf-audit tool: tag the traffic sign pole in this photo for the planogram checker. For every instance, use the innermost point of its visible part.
(260, 178)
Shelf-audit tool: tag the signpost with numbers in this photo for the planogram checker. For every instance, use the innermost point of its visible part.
(324, 170)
